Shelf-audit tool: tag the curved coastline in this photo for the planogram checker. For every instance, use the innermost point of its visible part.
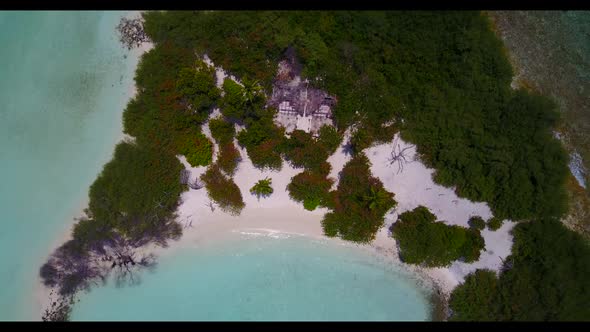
(290, 221)
(40, 293)
(270, 276)
(64, 86)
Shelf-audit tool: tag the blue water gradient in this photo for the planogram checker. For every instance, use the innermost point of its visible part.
(242, 278)
(63, 87)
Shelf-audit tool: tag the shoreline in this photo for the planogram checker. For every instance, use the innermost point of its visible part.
(41, 293)
(216, 228)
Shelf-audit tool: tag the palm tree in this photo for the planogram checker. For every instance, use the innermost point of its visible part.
(252, 90)
(251, 95)
(377, 199)
(262, 188)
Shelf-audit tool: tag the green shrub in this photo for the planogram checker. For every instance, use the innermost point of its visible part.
(265, 155)
(233, 101)
(495, 223)
(434, 244)
(242, 103)
(359, 204)
(330, 138)
(310, 188)
(330, 224)
(477, 222)
(222, 131)
(223, 190)
(196, 85)
(197, 149)
(367, 134)
(263, 140)
(301, 150)
(311, 204)
(229, 158)
(360, 140)
(257, 133)
(262, 188)
(477, 292)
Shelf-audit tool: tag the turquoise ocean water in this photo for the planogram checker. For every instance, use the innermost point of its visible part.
(63, 87)
(264, 279)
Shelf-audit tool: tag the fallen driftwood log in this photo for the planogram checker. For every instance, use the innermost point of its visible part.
(398, 156)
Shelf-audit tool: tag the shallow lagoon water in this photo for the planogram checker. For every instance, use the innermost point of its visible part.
(64, 82)
(245, 278)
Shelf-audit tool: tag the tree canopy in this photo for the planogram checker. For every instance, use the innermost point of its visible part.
(544, 279)
(434, 244)
(262, 188)
(359, 203)
(223, 190)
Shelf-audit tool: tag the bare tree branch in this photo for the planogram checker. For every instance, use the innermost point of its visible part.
(398, 156)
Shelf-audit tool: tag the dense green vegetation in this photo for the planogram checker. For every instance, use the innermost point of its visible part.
(303, 151)
(262, 140)
(262, 188)
(311, 188)
(136, 184)
(197, 149)
(495, 223)
(222, 131)
(545, 278)
(196, 86)
(477, 222)
(443, 73)
(156, 117)
(233, 100)
(229, 158)
(470, 298)
(434, 244)
(359, 203)
(329, 138)
(522, 174)
(242, 102)
(223, 190)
